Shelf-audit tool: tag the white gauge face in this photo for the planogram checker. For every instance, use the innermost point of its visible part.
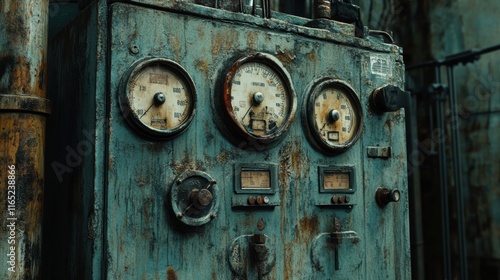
(259, 99)
(335, 118)
(160, 98)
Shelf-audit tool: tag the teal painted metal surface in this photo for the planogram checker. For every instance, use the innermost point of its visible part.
(300, 234)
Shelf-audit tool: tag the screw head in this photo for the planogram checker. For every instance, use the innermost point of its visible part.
(159, 98)
(333, 116)
(258, 97)
(134, 49)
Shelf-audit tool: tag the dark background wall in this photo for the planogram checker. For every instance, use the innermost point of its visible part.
(432, 30)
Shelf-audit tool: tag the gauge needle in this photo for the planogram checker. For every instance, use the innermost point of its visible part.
(323, 126)
(146, 111)
(251, 105)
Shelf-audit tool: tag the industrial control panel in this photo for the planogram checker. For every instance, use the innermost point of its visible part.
(231, 145)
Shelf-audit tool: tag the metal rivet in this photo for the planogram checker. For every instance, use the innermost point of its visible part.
(134, 49)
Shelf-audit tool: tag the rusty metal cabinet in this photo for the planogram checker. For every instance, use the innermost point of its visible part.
(128, 189)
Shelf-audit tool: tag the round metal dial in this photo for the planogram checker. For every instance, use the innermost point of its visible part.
(259, 100)
(193, 198)
(334, 115)
(158, 97)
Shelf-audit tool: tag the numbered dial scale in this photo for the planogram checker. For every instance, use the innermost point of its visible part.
(333, 115)
(258, 101)
(158, 97)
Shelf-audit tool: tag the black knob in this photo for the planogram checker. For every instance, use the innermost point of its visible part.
(388, 99)
(384, 196)
(159, 98)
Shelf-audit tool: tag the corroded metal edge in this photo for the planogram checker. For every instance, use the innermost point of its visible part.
(25, 103)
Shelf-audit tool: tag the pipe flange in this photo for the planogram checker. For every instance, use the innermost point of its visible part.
(25, 103)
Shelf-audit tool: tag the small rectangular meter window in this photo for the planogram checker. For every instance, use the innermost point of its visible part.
(336, 179)
(255, 178)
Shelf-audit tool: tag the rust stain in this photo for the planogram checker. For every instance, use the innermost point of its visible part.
(21, 145)
(288, 269)
(201, 31)
(313, 56)
(175, 43)
(171, 273)
(22, 70)
(300, 161)
(15, 23)
(252, 39)
(224, 41)
(222, 157)
(287, 57)
(187, 163)
(202, 65)
(42, 77)
(21, 77)
(285, 167)
(308, 226)
(214, 275)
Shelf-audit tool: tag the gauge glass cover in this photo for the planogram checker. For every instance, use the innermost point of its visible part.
(259, 98)
(334, 115)
(160, 97)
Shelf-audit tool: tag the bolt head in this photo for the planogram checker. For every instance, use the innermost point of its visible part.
(159, 98)
(333, 116)
(258, 97)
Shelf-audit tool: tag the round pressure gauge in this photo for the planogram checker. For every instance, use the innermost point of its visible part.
(258, 101)
(158, 97)
(333, 115)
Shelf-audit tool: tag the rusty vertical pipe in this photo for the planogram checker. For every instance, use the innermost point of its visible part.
(23, 109)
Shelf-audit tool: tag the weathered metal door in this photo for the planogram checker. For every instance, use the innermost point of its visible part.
(241, 147)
